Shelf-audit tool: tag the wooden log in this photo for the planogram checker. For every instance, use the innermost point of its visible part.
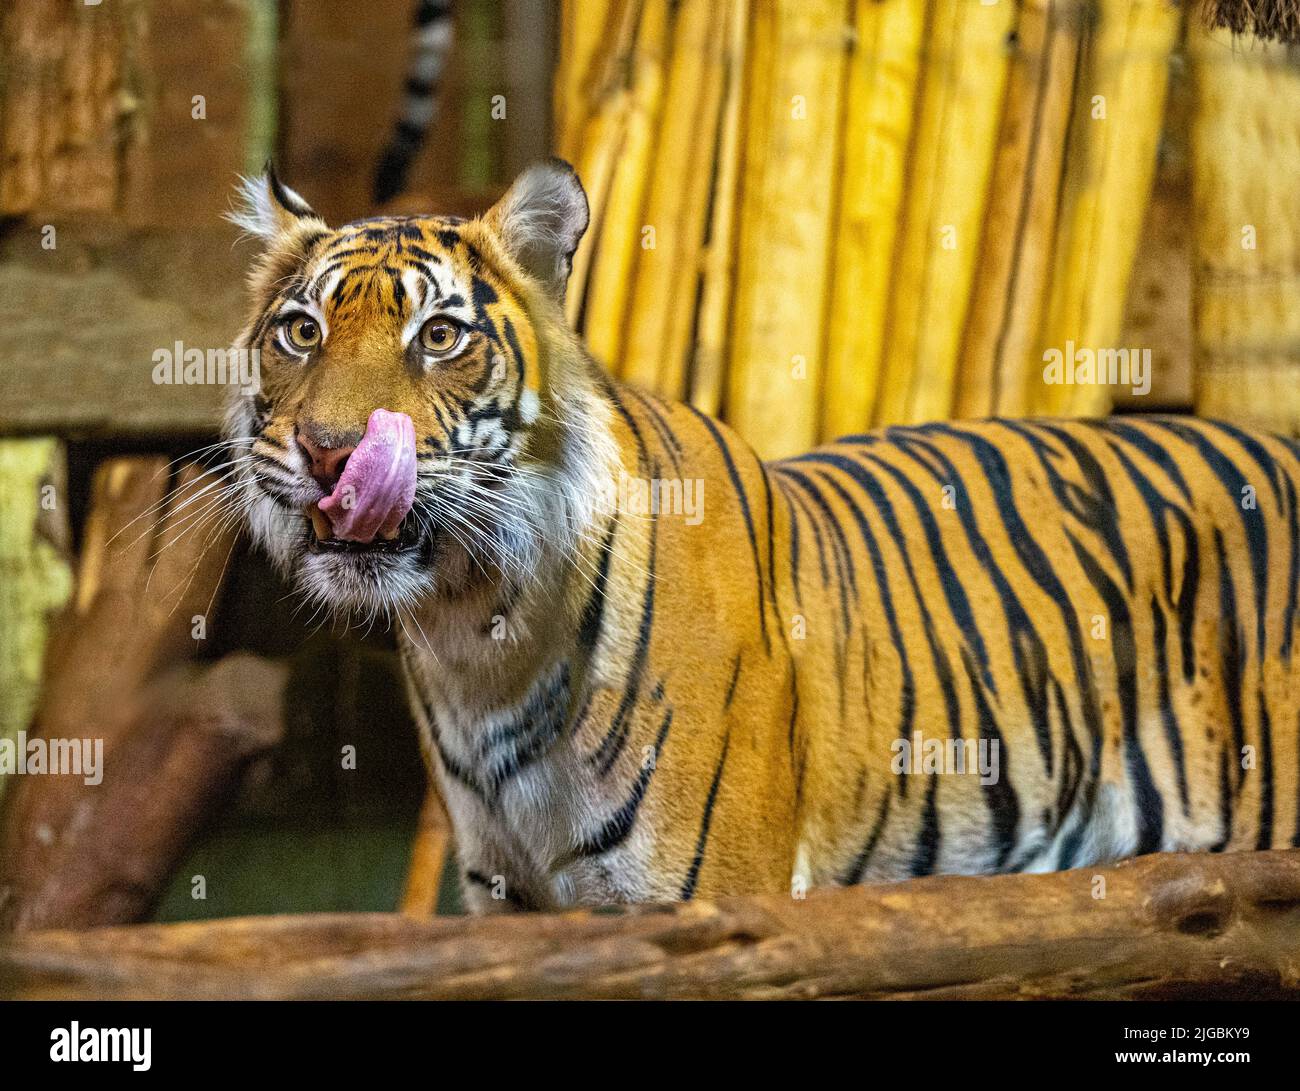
(151, 564)
(1159, 927)
(95, 854)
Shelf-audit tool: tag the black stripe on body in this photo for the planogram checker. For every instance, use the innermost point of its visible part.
(926, 855)
(611, 746)
(1004, 810)
(1038, 566)
(1168, 719)
(954, 590)
(615, 830)
(748, 514)
(1264, 839)
(1000, 795)
(867, 482)
(1160, 511)
(593, 612)
(1146, 798)
(1252, 519)
(1095, 509)
(795, 556)
(693, 873)
(1231, 656)
(667, 437)
(853, 874)
(1026, 644)
(845, 573)
(907, 687)
(731, 686)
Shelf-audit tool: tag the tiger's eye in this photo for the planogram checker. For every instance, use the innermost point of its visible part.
(303, 332)
(439, 335)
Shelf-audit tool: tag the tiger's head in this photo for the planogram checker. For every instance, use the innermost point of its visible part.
(424, 419)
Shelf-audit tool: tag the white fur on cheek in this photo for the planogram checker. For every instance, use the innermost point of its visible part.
(530, 405)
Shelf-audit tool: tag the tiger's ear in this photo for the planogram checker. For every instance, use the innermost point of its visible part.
(268, 209)
(540, 221)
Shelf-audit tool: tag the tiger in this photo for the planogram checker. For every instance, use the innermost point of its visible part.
(963, 647)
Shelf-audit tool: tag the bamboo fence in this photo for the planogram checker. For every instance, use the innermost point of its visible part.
(819, 216)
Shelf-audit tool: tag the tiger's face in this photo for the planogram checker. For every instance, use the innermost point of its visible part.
(407, 437)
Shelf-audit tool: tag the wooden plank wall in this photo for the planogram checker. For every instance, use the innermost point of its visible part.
(123, 128)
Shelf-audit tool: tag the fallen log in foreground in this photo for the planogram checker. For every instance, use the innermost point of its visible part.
(1158, 927)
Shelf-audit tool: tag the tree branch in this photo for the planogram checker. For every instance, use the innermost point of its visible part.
(1157, 927)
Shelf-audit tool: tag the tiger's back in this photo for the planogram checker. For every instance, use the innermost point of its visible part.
(981, 647)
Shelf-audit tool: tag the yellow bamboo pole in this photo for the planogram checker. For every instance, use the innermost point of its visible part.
(601, 146)
(1111, 165)
(793, 116)
(963, 78)
(667, 269)
(878, 114)
(674, 375)
(708, 375)
(587, 29)
(620, 230)
(35, 577)
(1016, 248)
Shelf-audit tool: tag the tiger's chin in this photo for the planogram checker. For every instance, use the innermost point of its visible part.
(350, 581)
(363, 585)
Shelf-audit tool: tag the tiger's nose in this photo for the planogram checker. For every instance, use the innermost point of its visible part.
(326, 461)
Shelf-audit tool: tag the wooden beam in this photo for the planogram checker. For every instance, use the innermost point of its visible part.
(1164, 926)
(80, 324)
(190, 144)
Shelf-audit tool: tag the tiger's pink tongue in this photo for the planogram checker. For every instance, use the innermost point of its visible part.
(377, 487)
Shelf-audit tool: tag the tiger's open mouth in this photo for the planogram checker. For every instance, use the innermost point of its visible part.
(321, 537)
(369, 508)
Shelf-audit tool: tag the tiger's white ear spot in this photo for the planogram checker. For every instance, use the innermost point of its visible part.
(541, 220)
(266, 208)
